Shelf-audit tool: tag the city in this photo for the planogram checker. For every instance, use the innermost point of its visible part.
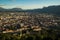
(29, 19)
(14, 22)
(24, 23)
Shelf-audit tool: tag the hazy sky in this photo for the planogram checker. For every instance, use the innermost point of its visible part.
(28, 4)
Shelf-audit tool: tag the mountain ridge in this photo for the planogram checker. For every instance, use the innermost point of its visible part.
(49, 9)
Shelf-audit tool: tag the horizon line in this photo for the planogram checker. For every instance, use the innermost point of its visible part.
(28, 8)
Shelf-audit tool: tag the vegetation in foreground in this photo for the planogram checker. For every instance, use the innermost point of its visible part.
(42, 35)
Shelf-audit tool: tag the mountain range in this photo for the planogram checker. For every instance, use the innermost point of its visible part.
(49, 9)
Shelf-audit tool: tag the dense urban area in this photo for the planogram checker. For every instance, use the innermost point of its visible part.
(27, 26)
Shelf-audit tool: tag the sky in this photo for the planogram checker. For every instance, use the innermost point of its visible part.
(28, 4)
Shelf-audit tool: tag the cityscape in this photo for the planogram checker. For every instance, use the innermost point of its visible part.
(29, 19)
(13, 22)
(25, 23)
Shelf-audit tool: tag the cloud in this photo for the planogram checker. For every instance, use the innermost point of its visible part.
(2, 5)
